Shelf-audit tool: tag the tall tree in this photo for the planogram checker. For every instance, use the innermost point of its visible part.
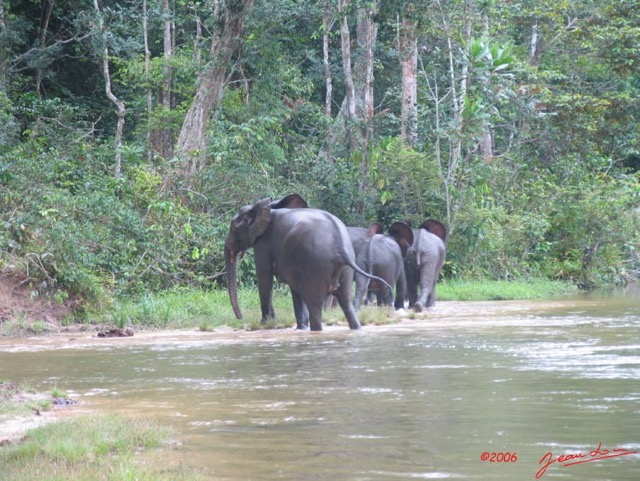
(3, 59)
(147, 76)
(120, 106)
(327, 26)
(225, 43)
(408, 53)
(167, 132)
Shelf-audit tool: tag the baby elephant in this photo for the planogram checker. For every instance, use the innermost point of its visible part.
(423, 263)
(383, 256)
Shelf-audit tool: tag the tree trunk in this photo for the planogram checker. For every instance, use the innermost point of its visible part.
(348, 110)
(42, 40)
(3, 68)
(192, 139)
(363, 67)
(147, 76)
(167, 132)
(367, 35)
(486, 141)
(327, 25)
(408, 50)
(107, 87)
(534, 48)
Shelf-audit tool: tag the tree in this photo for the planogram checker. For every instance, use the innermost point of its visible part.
(192, 139)
(408, 52)
(120, 106)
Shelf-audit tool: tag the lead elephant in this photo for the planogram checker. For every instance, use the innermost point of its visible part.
(423, 263)
(383, 256)
(308, 249)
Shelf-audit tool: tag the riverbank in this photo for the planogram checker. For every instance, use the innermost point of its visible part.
(26, 313)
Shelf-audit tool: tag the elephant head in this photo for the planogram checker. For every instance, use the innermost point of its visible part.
(435, 227)
(247, 226)
(403, 234)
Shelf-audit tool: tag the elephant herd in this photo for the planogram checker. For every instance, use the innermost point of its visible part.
(316, 255)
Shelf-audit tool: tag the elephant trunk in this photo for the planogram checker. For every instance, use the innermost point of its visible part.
(230, 260)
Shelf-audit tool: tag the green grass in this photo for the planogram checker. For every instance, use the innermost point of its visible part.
(502, 290)
(21, 400)
(92, 448)
(208, 310)
(204, 310)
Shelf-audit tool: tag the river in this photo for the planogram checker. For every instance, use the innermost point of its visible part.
(538, 388)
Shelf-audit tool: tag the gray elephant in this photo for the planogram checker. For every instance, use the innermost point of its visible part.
(359, 237)
(308, 249)
(423, 263)
(383, 256)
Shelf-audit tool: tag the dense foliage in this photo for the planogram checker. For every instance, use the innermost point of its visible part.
(527, 137)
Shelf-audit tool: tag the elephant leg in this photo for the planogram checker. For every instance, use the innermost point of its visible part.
(426, 288)
(330, 302)
(315, 314)
(265, 290)
(372, 297)
(412, 292)
(343, 293)
(362, 285)
(301, 311)
(401, 287)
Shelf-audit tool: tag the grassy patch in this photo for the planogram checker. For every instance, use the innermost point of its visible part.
(208, 310)
(16, 401)
(107, 447)
(197, 309)
(502, 290)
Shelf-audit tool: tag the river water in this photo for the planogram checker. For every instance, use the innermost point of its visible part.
(520, 383)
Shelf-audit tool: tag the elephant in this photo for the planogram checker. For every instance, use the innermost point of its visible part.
(423, 263)
(308, 249)
(359, 237)
(383, 256)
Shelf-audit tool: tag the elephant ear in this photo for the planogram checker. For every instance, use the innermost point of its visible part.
(436, 228)
(374, 228)
(258, 218)
(403, 235)
(291, 201)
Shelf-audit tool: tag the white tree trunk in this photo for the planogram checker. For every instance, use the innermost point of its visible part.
(345, 41)
(110, 95)
(192, 139)
(408, 50)
(327, 25)
(167, 133)
(147, 75)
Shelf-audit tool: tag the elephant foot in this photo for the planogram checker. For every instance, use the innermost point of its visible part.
(417, 307)
(302, 327)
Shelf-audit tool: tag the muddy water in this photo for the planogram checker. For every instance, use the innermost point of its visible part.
(422, 399)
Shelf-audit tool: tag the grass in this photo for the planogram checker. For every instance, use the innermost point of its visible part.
(86, 447)
(103, 447)
(21, 400)
(208, 310)
(502, 290)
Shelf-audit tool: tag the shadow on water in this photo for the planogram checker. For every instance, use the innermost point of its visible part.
(422, 399)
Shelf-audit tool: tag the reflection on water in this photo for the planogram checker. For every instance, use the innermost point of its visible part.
(423, 399)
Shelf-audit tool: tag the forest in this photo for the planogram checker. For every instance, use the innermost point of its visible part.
(131, 131)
